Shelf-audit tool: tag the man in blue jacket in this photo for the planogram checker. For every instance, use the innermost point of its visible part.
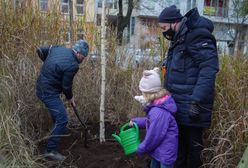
(191, 68)
(56, 77)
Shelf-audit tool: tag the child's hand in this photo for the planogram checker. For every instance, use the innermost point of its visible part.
(131, 124)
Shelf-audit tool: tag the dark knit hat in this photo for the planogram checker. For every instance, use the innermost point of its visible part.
(170, 15)
(82, 47)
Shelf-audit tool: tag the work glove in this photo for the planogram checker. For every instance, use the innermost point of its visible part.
(194, 112)
(141, 100)
(72, 101)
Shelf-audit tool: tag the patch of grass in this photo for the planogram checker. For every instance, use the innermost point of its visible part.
(228, 135)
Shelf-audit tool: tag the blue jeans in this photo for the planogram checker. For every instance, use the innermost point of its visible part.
(60, 119)
(157, 164)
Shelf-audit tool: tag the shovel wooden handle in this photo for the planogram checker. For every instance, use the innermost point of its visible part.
(82, 123)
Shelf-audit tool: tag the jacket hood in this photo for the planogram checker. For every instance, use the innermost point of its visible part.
(194, 20)
(167, 103)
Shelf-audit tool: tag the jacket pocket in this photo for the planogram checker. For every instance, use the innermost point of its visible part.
(183, 88)
(178, 60)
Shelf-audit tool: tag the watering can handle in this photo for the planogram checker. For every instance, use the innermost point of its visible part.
(127, 126)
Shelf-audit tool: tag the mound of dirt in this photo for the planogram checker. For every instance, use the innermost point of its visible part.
(105, 155)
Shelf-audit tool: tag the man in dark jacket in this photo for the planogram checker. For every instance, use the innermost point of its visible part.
(191, 68)
(56, 76)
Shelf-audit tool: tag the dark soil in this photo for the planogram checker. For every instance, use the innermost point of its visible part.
(96, 155)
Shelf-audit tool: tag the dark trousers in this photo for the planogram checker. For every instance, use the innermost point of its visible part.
(190, 147)
(59, 115)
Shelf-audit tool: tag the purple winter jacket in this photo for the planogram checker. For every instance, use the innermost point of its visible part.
(161, 140)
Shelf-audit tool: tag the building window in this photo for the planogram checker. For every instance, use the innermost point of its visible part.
(65, 34)
(65, 6)
(216, 8)
(115, 4)
(98, 20)
(109, 4)
(80, 34)
(43, 5)
(66, 37)
(80, 7)
(44, 35)
(132, 25)
(191, 4)
(99, 4)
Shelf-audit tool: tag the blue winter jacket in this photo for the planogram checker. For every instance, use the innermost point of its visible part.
(192, 64)
(57, 72)
(161, 139)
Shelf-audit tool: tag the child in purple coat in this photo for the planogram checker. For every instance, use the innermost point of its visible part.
(161, 140)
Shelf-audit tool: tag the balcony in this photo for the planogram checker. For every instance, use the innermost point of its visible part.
(215, 11)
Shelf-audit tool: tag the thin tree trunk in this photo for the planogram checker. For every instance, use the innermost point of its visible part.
(236, 44)
(95, 26)
(71, 22)
(246, 40)
(103, 71)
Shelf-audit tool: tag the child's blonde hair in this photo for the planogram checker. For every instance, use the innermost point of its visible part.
(151, 96)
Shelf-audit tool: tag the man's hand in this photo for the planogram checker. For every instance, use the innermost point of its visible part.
(194, 112)
(72, 101)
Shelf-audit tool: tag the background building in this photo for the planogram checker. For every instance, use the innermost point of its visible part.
(223, 13)
(231, 30)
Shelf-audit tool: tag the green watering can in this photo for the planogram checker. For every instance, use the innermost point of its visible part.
(128, 138)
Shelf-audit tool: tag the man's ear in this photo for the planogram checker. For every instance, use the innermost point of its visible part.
(175, 25)
(79, 55)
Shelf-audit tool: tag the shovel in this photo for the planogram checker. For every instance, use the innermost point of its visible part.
(83, 124)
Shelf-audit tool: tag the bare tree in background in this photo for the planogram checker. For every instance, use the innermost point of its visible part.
(123, 21)
(240, 14)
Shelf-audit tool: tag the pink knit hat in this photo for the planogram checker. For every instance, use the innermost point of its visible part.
(150, 82)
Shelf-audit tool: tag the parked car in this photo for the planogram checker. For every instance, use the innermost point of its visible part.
(147, 56)
(94, 56)
(135, 57)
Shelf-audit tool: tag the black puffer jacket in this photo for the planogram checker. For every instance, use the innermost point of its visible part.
(192, 64)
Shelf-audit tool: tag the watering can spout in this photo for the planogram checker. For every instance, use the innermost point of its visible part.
(117, 138)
